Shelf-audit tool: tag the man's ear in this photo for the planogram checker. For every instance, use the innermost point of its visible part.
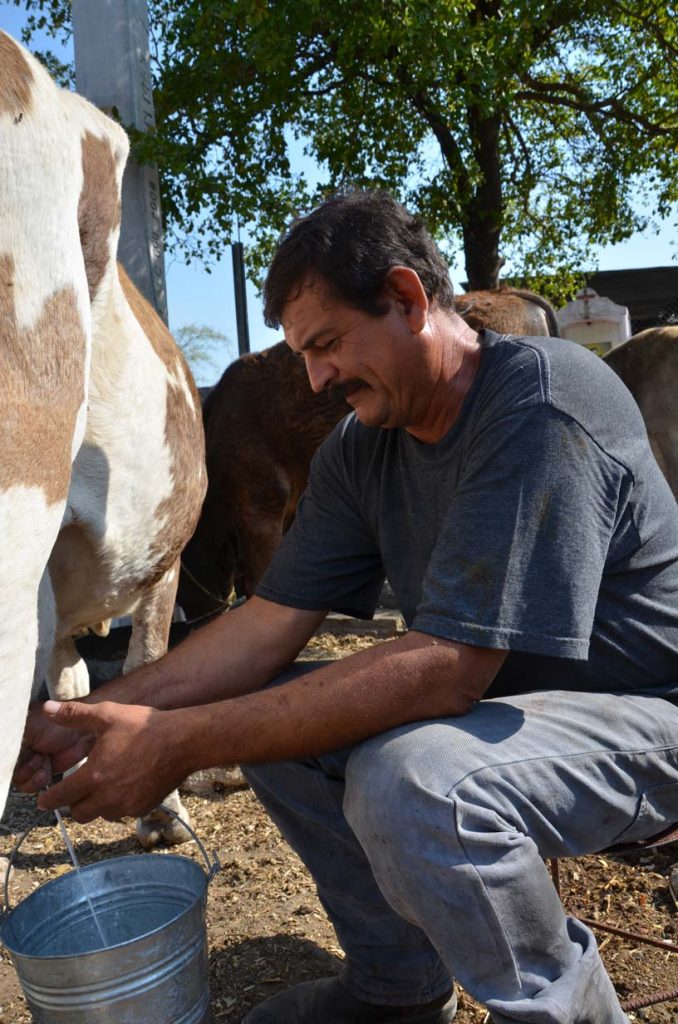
(404, 287)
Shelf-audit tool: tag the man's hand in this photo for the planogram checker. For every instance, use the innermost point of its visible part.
(133, 762)
(47, 748)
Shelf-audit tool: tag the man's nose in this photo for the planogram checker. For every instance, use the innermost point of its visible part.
(320, 371)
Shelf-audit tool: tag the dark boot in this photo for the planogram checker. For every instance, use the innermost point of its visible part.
(326, 1001)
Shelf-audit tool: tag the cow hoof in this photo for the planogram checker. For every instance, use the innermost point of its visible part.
(158, 828)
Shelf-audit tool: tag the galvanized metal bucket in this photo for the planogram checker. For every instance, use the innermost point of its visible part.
(122, 941)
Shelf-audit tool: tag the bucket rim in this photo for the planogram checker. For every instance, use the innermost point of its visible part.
(6, 919)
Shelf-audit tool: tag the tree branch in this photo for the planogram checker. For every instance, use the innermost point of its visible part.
(563, 94)
(527, 156)
(647, 24)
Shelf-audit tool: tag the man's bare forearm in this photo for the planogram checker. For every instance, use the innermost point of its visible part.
(233, 655)
(411, 679)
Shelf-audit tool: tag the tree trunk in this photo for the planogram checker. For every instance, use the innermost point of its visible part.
(482, 230)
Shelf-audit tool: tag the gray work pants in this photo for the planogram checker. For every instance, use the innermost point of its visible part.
(427, 845)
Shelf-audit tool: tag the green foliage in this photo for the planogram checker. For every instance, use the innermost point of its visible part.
(528, 129)
(200, 345)
(558, 285)
(54, 18)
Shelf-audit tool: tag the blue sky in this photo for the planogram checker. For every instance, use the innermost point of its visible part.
(195, 296)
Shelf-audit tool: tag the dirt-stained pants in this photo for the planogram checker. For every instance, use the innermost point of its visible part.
(427, 844)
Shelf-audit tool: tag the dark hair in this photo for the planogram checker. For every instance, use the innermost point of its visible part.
(351, 242)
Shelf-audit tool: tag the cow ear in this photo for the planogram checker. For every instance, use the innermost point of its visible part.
(408, 293)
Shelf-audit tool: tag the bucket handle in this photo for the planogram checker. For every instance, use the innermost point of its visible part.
(213, 864)
(6, 906)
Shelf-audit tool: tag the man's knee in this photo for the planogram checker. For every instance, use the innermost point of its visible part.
(420, 777)
(390, 785)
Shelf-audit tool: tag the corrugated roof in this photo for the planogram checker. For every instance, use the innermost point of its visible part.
(649, 293)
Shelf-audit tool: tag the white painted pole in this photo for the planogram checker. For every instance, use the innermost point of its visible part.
(112, 70)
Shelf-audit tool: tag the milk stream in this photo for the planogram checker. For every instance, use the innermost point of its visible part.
(76, 865)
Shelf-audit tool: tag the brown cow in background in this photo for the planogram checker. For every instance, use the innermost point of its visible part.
(648, 365)
(508, 311)
(262, 425)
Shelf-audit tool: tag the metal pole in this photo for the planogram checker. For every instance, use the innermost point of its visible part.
(239, 282)
(112, 69)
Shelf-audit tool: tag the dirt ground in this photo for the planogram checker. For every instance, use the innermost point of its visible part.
(267, 931)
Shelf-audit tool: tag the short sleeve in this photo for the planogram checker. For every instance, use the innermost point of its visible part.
(519, 560)
(329, 558)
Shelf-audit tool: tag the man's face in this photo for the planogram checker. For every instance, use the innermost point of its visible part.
(372, 361)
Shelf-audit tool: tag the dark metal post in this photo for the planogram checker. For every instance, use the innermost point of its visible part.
(112, 69)
(240, 298)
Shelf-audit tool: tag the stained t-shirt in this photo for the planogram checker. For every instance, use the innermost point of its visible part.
(540, 523)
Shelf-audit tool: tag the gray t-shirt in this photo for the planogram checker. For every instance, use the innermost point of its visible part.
(540, 523)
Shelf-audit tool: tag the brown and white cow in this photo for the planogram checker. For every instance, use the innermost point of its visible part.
(102, 466)
(648, 365)
(45, 344)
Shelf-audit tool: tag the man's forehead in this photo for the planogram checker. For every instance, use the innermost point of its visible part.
(312, 300)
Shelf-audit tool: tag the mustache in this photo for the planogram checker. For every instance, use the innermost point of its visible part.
(347, 387)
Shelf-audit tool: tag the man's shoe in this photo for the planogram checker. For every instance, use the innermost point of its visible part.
(326, 1001)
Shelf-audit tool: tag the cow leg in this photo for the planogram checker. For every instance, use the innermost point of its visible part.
(67, 678)
(67, 674)
(150, 637)
(29, 620)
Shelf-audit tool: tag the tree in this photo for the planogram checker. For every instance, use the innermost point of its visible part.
(531, 129)
(198, 343)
